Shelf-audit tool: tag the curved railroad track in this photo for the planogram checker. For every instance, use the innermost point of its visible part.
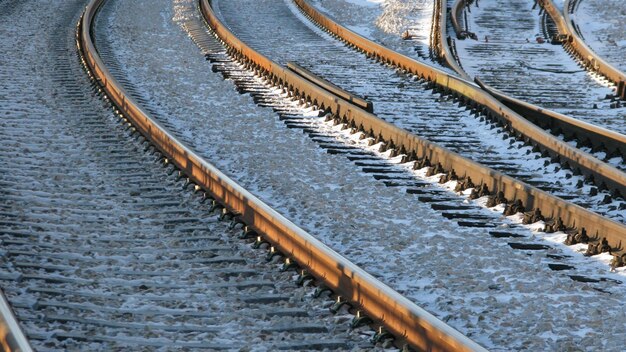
(146, 280)
(252, 59)
(601, 142)
(42, 250)
(577, 94)
(608, 48)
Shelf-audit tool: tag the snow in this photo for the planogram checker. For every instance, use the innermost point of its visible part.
(540, 73)
(603, 29)
(367, 3)
(507, 300)
(387, 23)
(83, 202)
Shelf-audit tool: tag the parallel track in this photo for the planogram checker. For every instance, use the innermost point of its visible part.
(102, 251)
(555, 82)
(602, 143)
(163, 274)
(260, 64)
(356, 287)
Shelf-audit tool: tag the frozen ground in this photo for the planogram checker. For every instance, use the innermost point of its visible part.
(602, 24)
(507, 300)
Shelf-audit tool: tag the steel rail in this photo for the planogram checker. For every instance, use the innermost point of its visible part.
(383, 304)
(590, 135)
(573, 216)
(592, 61)
(342, 93)
(12, 337)
(552, 207)
(455, 14)
(603, 174)
(441, 33)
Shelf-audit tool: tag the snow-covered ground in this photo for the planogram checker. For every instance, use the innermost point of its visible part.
(505, 299)
(402, 99)
(100, 249)
(603, 27)
(509, 57)
(387, 22)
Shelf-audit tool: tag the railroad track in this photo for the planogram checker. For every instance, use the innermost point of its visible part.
(602, 143)
(352, 237)
(605, 40)
(305, 55)
(248, 60)
(588, 98)
(87, 249)
(142, 282)
(611, 50)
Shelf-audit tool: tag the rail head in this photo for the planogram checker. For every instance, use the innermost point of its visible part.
(396, 312)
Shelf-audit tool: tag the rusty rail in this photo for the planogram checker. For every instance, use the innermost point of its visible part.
(417, 148)
(595, 137)
(603, 174)
(575, 44)
(441, 32)
(12, 338)
(455, 14)
(383, 304)
(478, 98)
(589, 135)
(338, 91)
